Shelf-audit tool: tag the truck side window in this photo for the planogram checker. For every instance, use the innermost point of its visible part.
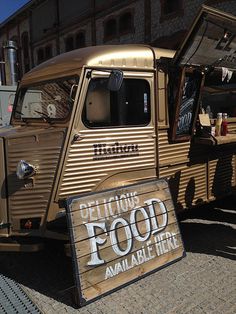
(129, 106)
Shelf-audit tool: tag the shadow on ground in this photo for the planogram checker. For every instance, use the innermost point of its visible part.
(49, 272)
(207, 229)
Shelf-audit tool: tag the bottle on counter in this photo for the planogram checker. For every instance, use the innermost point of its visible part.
(218, 124)
(213, 129)
(224, 125)
(209, 112)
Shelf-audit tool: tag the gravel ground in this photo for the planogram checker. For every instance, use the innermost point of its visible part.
(203, 282)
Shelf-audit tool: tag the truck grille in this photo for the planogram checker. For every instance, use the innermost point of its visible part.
(29, 198)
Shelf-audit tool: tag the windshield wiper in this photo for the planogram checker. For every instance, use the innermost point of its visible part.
(19, 112)
(44, 116)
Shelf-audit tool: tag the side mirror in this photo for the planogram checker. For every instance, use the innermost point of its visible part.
(115, 80)
(73, 92)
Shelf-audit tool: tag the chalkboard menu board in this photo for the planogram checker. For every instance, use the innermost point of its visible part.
(186, 105)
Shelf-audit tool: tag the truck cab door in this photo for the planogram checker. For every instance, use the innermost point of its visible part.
(113, 139)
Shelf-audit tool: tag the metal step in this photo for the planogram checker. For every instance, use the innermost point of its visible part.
(13, 299)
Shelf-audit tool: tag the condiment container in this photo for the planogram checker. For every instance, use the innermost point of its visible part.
(224, 125)
(218, 124)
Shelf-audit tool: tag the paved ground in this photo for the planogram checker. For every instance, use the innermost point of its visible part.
(203, 282)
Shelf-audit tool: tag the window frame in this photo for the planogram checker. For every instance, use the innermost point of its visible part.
(69, 40)
(48, 52)
(129, 30)
(40, 52)
(126, 77)
(40, 120)
(174, 137)
(114, 35)
(78, 35)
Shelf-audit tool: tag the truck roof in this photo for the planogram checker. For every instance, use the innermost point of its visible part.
(109, 56)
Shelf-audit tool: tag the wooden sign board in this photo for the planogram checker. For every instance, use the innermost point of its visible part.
(120, 235)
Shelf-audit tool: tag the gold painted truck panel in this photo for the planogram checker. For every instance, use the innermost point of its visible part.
(72, 132)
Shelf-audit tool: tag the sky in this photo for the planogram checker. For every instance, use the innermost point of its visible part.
(8, 7)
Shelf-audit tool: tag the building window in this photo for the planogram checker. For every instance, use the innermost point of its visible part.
(40, 55)
(126, 23)
(25, 45)
(80, 40)
(44, 54)
(25, 50)
(48, 52)
(110, 29)
(171, 9)
(69, 43)
(170, 6)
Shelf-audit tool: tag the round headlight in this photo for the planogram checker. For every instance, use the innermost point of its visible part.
(24, 170)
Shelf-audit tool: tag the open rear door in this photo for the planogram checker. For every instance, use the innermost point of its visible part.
(209, 45)
(211, 41)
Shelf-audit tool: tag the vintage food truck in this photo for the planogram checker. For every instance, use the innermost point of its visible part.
(110, 116)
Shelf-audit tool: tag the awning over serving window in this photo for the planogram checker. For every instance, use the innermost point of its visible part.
(210, 41)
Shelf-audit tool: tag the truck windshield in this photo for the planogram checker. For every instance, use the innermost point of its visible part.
(48, 100)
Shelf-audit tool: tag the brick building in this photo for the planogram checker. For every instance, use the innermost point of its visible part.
(45, 28)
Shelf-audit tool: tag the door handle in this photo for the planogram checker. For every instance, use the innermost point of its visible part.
(77, 137)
